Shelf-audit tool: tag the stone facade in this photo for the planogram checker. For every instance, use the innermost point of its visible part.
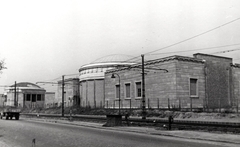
(71, 92)
(236, 85)
(218, 80)
(163, 89)
(50, 100)
(203, 81)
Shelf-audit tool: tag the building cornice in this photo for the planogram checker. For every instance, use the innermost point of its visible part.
(211, 56)
(166, 59)
(235, 65)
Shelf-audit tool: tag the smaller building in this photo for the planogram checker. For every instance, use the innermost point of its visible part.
(2, 99)
(71, 92)
(50, 100)
(25, 94)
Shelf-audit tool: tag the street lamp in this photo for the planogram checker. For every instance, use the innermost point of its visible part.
(113, 76)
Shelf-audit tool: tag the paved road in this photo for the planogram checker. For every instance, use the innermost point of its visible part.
(21, 133)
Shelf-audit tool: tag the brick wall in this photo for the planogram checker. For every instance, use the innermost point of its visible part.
(50, 99)
(161, 86)
(184, 71)
(218, 75)
(236, 86)
(163, 89)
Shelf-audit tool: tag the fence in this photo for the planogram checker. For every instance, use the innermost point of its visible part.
(190, 104)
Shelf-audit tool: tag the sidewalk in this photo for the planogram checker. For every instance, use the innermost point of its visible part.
(197, 135)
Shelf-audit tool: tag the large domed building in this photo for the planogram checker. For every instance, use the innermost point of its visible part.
(92, 78)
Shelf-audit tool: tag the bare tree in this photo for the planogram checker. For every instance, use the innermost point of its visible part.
(2, 65)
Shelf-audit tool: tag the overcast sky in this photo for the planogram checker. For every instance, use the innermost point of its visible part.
(42, 40)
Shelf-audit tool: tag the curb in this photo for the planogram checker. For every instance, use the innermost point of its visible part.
(135, 131)
(212, 140)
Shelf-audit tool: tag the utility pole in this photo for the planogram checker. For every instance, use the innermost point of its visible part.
(15, 93)
(63, 96)
(143, 90)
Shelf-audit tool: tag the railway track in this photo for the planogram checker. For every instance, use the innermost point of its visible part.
(226, 127)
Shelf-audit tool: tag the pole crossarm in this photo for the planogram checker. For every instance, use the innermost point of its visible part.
(148, 69)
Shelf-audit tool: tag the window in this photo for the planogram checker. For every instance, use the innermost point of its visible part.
(28, 97)
(33, 97)
(117, 91)
(138, 89)
(193, 88)
(39, 97)
(127, 90)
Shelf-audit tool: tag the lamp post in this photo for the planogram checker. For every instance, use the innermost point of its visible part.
(113, 76)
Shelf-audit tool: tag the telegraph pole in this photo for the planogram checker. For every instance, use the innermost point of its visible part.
(15, 93)
(143, 90)
(63, 96)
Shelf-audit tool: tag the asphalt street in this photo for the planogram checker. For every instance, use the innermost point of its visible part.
(23, 132)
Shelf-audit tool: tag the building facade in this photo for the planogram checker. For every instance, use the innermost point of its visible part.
(71, 92)
(201, 81)
(26, 95)
(50, 100)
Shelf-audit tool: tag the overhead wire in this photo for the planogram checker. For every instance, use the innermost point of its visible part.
(72, 74)
(208, 48)
(174, 44)
(190, 38)
(195, 36)
(226, 51)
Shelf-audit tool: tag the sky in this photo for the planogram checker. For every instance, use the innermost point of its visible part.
(42, 40)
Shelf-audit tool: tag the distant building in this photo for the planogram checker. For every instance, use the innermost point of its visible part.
(25, 94)
(2, 99)
(202, 81)
(92, 78)
(71, 92)
(50, 100)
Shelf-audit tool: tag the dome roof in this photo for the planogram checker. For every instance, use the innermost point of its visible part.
(113, 58)
(26, 84)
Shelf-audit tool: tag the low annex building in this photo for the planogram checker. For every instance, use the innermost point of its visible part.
(202, 81)
(50, 100)
(25, 94)
(71, 92)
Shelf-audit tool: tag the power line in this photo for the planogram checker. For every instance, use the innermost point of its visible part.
(52, 79)
(132, 59)
(194, 36)
(226, 51)
(197, 49)
(187, 39)
(72, 74)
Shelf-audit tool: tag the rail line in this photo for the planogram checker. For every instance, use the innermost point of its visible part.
(233, 127)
